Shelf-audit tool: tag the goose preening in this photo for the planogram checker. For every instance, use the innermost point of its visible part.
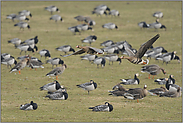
(106, 107)
(52, 9)
(44, 53)
(143, 24)
(163, 81)
(152, 70)
(134, 81)
(29, 106)
(59, 95)
(118, 90)
(137, 58)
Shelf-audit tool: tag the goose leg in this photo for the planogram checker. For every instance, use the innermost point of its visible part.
(56, 77)
(137, 101)
(19, 72)
(149, 77)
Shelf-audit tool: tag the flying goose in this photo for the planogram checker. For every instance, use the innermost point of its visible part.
(29, 106)
(158, 14)
(137, 58)
(55, 61)
(52, 9)
(56, 18)
(44, 53)
(15, 41)
(59, 95)
(110, 26)
(88, 86)
(107, 107)
(87, 49)
(9, 61)
(114, 13)
(89, 39)
(157, 91)
(89, 57)
(134, 81)
(51, 87)
(172, 94)
(22, 25)
(57, 71)
(25, 12)
(65, 48)
(100, 61)
(152, 70)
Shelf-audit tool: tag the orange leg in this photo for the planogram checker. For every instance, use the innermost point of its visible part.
(35, 68)
(30, 68)
(19, 72)
(56, 77)
(153, 76)
(137, 101)
(149, 77)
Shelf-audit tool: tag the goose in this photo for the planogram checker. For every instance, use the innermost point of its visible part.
(11, 16)
(59, 95)
(22, 25)
(87, 49)
(163, 81)
(25, 12)
(57, 71)
(89, 57)
(134, 81)
(158, 14)
(15, 41)
(29, 106)
(106, 107)
(31, 40)
(80, 18)
(99, 12)
(118, 90)
(110, 26)
(5, 56)
(20, 18)
(102, 7)
(112, 58)
(44, 53)
(89, 39)
(62, 89)
(89, 21)
(74, 29)
(26, 56)
(100, 61)
(157, 91)
(36, 64)
(52, 9)
(56, 18)
(170, 86)
(167, 57)
(172, 94)
(177, 58)
(159, 49)
(107, 43)
(55, 61)
(136, 93)
(114, 13)
(157, 25)
(137, 58)
(152, 70)
(84, 27)
(20, 65)
(25, 47)
(154, 55)
(111, 49)
(65, 49)
(143, 24)
(88, 86)
(9, 61)
(51, 87)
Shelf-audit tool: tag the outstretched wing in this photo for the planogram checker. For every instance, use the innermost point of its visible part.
(81, 51)
(142, 50)
(128, 50)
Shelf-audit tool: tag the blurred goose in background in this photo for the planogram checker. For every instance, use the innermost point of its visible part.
(89, 57)
(137, 58)
(107, 43)
(158, 14)
(55, 61)
(110, 26)
(114, 13)
(22, 25)
(25, 47)
(20, 18)
(86, 49)
(102, 7)
(89, 39)
(84, 27)
(15, 41)
(157, 25)
(143, 24)
(29, 106)
(100, 61)
(11, 16)
(107, 107)
(157, 91)
(65, 48)
(152, 70)
(52, 9)
(51, 87)
(89, 21)
(99, 12)
(167, 57)
(80, 18)
(112, 58)
(172, 94)
(56, 18)
(74, 29)
(9, 61)
(57, 71)
(59, 95)
(35, 64)
(25, 12)
(88, 86)
(44, 53)
(134, 81)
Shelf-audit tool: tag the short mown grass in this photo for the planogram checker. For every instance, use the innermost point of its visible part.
(19, 89)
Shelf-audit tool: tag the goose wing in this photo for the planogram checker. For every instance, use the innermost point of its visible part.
(25, 106)
(99, 108)
(128, 50)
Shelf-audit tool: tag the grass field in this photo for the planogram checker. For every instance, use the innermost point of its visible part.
(19, 89)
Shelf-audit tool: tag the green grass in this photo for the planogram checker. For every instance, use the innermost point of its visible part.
(19, 89)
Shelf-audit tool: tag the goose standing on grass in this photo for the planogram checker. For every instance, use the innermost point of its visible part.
(52, 9)
(152, 70)
(107, 107)
(102, 7)
(137, 58)
(84, 27)
(99, 12)
(113, 58)
(56, 18)
(11, 16)
(5, 56)
(74, 29)
(51, 87)
(25, 12)
(59, 95)
(34, 64)
(57, 71)
(100, 61)
(89, 21)
(114, 13)
(20, 18)
(22, 25)
(167, 57)
(65, 49)
(134, 81)
(9, 61)
(89, 39)
(15, 41)
(143, 24)
(31, 40)
(29, 106)
(25, 47)
(55, 61)
(157, 25)
(44, 53)
(80, 18)
(158, 14)
(86, 49)
(172, 94)
(88, 86)
(89, 57)
(157, 91)
(107, 43)
(110, 26)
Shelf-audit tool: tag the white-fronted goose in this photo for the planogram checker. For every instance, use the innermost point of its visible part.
(55, 61)
(114, 13)
(29, 106)
(158, 14)
(52, 9)
(89, 39)
(112, 58)
(44, 53)
(25, 47)
(59, 95)
(134, 81)
(22, 25)
(15, 41)
(152, 70)
(107, 43)
(110, 26)
(51, 87)
(9, 61)
(172, 94)
(143, 24)
(100, 61)
(137, 58)
(86, 49)
(89, 57)
(57, 71)
(88, 86)
(25, 12)
(34, 64)
(167, 57)
(107, 107)
(65, 48)
(157, 91)
(56, 18)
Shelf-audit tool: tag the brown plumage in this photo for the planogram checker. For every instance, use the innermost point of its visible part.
(119, 90)
(152, 70)
(172, 94)
(157, 91)
(137, 58)
(86, 49)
